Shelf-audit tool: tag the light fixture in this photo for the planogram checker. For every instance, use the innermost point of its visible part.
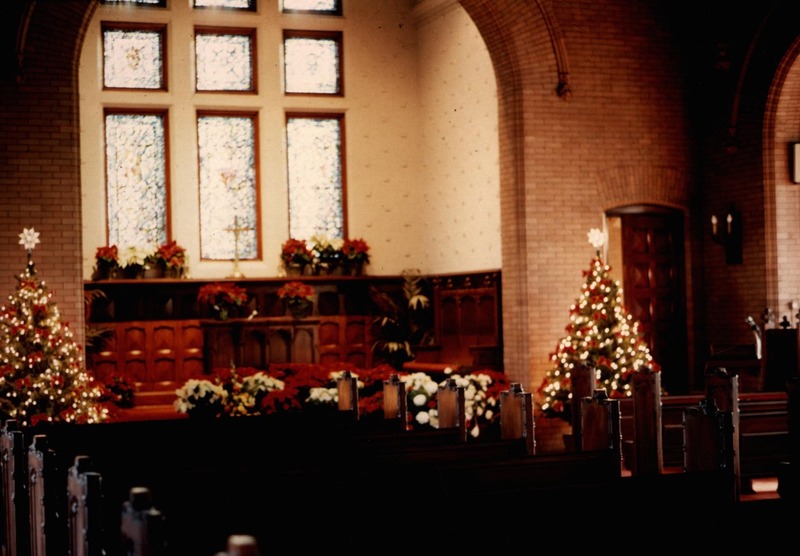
(727, 231)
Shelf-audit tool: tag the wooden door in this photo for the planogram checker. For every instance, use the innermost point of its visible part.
(654, 289)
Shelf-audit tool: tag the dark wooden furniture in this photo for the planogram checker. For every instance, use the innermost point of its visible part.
(46, 501)
(159, 334)
(13, 467)
(84, 509)
(142, 528)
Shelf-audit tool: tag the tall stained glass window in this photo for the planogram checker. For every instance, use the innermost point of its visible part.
(316, 189)
(133, 58)
(312, 62)
(228, 187)
(224, 61)
(136, 179)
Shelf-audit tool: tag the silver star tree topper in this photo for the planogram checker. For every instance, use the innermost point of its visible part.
(28, 239)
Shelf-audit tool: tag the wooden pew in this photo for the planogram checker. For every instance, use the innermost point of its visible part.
(13, 455)
(84, 509)
(451, 405)
(46, 485)
(647, 446)
(516, 416)
(142, 526)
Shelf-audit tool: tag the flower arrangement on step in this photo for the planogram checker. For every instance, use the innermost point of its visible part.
(106, 262)
(298, 298)
(299, 387)
(223, 298)
(328, 255)
(233, 392)
(356, 255)
(296, 256)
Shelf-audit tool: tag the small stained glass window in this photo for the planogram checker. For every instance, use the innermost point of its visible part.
(323, 7)
(136, 182)
(224, 61)
(312, 62)
(316, 188)
(133, 58)
(151, 3)
(229, 4)
(228, 190)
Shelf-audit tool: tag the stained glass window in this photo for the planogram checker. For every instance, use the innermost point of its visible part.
(230, 4)
(325, 7)
(133, 58)
(224, 61)
(312, 62)
(136, 179)
(316, 190)
(157, 3)
(228, 190)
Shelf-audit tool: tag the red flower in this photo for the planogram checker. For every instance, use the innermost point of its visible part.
(108, 254)
(294, 291)
(222, 294)
(173, 255)
(356, 249)
(296, 251)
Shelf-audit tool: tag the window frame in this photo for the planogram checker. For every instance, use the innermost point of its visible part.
(340, 117)
(164, 115)
(254, 117)
(337, 37)
(219, 31)
(160, 29)
(336, 11)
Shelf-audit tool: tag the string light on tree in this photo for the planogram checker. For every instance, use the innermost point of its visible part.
(601, 335)
(41, 367)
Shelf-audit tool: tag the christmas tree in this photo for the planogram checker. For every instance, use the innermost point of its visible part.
(600, 335)
(42, 376)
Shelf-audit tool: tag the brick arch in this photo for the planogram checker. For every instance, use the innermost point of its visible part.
(781, 198)
(526, 48)
(629, 185)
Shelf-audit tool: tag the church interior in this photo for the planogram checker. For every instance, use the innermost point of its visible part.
(507, 174)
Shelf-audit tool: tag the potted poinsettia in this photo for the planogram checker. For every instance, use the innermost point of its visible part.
(356, 255)
(298, 298)
(172, 257)
(106, 262)
(296, 256)
(222, 298)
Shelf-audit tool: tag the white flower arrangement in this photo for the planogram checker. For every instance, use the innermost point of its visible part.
(322, 395)
(199, 395)
(232, 397)
(134, 255)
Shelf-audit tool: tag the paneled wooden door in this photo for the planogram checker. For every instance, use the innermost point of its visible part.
(654, 288)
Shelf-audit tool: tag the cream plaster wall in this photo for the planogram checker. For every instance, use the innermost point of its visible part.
(421, 136)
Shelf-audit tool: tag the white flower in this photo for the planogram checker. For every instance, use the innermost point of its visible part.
(423, 418)
(597, 238)
(29, 238)
(419, 400)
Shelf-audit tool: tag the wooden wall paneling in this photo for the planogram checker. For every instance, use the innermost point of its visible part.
(190, 349)
(304, 343)
(280, 344)
(357, 344)
(162, 342)
(220, 343)
(255, 346)
(133, 336)
(330, 340)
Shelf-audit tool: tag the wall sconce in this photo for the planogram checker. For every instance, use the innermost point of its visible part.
(728, 233)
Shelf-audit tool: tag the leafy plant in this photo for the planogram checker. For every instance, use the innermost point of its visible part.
(404, 323)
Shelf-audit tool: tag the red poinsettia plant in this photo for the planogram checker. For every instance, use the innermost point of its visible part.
(107, 255)
(295, 251)
(222, 295)
(296, 291)
(356, 250)
(171, 254)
